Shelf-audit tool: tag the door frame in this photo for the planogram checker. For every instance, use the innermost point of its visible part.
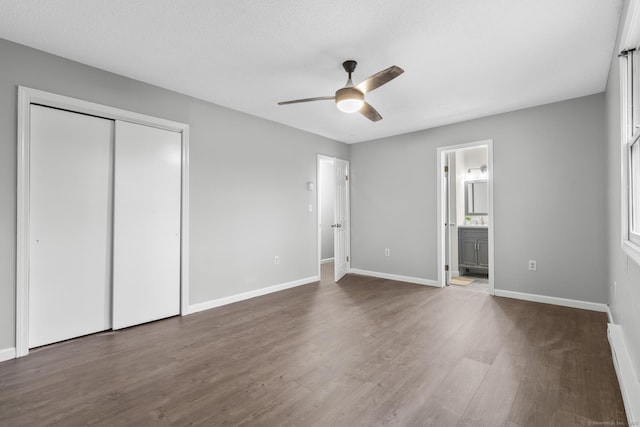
(28, 96)
(348, 212)
(441, 203)
(446, 187)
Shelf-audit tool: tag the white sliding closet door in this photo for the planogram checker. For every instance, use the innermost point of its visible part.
(146, 264)
(69, 225)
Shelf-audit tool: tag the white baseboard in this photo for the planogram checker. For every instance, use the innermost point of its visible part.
(327, 260)
(574, 303)
(629, 385)
(247, 295)
(7, 353)
(455, 273)
(397, 277)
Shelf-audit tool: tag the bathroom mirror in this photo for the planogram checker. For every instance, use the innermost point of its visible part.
(476, 198)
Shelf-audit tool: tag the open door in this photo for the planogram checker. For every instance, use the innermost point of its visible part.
(341, 218)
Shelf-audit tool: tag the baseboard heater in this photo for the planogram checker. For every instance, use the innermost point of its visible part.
(629, 385)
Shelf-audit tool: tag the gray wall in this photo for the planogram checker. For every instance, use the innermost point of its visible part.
(624, 296)
(549, 199)
(327, 201)
(248, 177)
(249, 197)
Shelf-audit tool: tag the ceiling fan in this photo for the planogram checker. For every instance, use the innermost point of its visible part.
(350, 98)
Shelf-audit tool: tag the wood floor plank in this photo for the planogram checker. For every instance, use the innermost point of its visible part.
(447, 406)
(491, 404)
(362, 352)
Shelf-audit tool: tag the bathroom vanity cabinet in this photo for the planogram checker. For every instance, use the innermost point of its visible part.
(473, 249)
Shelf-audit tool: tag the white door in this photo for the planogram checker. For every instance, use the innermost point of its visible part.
(146, 261)
(69, 225)
(341, 218)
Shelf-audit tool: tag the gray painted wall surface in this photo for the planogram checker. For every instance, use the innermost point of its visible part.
(327, 200)
(549, 199)
(248, 177)
(624, 297)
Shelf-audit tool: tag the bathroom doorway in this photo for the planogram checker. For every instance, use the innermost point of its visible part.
(465, 230)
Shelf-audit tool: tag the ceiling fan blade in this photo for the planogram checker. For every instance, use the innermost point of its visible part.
(370, 113)
(318, 98)
(380, 78)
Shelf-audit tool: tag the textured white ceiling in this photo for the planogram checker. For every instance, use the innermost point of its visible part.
(463, 59)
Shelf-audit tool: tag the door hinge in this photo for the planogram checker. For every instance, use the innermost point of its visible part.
(446, 268)
(347, 258)
(346, 177)
(446, 169)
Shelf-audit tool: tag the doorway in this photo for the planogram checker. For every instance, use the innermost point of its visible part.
(465, 216)
(333, 219)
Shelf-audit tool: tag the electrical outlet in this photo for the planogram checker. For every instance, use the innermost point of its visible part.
(387, 252)
(276, 259)
(533, 265)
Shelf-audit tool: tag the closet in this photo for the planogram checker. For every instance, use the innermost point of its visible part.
(104, 230)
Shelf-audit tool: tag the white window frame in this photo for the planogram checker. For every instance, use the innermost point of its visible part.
(633, 198)
(629, 131)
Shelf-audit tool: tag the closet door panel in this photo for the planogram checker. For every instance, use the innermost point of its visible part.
(146, 263)
(69, 225)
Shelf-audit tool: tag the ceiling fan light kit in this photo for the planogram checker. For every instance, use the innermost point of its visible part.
(350, 98)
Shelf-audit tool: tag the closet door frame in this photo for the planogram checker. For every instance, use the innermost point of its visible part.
(28, 96)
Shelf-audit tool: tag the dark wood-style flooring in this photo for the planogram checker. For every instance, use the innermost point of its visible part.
(364, 352)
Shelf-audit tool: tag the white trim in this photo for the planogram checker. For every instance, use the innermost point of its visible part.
(184, 226)
(440, 218)
(326, 260)
(629, 385)
(22, 225)
(397, 277)
(7, 354)
(28, 96)
(632, 250)
(609, 315)
(248, 295)
(35, 96)
(630, 34)
(565, 302)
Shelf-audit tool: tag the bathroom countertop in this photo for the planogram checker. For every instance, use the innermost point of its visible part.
(474, 226)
